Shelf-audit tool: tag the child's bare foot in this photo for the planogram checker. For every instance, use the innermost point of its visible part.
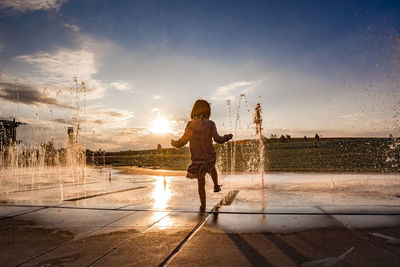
(217, 188)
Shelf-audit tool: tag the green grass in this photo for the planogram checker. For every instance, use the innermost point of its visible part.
(296, 154)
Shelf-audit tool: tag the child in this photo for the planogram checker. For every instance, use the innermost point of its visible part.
(199, 132)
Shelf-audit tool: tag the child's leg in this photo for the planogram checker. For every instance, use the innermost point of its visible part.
(214, 176)
(202, 191)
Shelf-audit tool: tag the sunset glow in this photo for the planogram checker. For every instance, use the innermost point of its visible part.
(161, 126)
(305, 66)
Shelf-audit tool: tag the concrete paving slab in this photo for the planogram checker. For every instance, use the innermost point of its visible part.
(77, 221)
(147, 249)
(21, 240)
(50, 233)
(9, 211)
(151, 247)
(362, 209)
(368, 221)
(253, 223)
(384, 242)
(85, 250)
(333, 242)
(243, 207)
(215, 249)
(179, 220)
(256, 198)
(182, 207)
(267, 249)
(110, 201)
(137, 220)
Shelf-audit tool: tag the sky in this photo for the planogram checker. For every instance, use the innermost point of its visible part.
(128, 72)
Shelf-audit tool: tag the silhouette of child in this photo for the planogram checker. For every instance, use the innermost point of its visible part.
(200, 131)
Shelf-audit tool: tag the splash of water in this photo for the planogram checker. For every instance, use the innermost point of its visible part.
(257, 120)
(229, 149)
(242, 97)
(18, 160)
(237, 121)
(231, 143)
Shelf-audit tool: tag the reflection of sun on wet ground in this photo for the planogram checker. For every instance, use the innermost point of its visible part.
(161, 193)
(165, 223)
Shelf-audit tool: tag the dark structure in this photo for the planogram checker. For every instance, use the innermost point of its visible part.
(70, 133)
(8, 133)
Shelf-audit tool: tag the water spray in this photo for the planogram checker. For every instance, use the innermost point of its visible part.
(258, 122)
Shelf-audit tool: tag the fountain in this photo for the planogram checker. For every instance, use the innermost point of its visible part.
(27, 167)
(229, 145)
(233, 158)
(258, 122)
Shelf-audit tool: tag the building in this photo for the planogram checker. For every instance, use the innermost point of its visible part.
(8, 133)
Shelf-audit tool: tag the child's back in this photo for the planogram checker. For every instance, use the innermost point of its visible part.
(200, 133)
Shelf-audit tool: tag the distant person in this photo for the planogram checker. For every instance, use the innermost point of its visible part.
(200, 131)
(316, 140)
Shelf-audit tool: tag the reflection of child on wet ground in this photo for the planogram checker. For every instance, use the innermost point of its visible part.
(200, 131)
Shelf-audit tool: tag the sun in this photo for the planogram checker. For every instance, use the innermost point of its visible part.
(161, 126)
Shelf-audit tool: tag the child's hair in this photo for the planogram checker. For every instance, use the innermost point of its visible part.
(200, 107)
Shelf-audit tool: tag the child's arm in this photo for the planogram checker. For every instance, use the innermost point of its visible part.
(183, 140)
(217, 138)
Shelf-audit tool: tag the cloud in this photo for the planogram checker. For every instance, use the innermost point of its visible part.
(97, 121)
(60, 67)
(351, 116)
(28, 95)
(63, 121)
(104, 119)
(127, 138)
(23, 6)
(223, 92)
(114, 113)
(82, 121)
(63, 64)
(130, 131)
(120, 86)
(155, 109)
(155, 97)
(123, 139)
(72, 27)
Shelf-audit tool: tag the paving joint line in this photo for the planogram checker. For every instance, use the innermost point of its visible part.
(106, 193)
(23, 213)
(124, 206)
(358, 234)
(129, 239)
(220, 212)
(226, 200)
(30, 211)
(75, 239)
(45, 188)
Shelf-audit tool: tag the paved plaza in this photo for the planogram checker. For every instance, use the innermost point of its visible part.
(130, 219)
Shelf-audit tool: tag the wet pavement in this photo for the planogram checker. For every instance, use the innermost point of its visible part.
(152, 220)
